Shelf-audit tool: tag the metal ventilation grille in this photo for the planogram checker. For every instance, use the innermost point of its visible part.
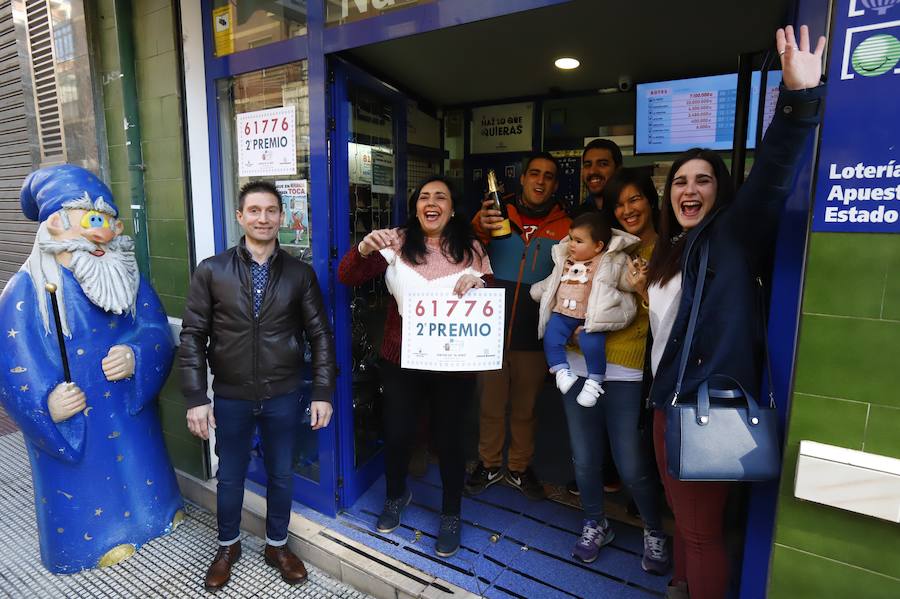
(43, 63)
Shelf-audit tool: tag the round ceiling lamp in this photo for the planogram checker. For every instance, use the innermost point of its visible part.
(567, 63)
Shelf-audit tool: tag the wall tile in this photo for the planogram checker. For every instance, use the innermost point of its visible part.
(853, 263)
(186, 456)
(171, 114)
(849, 358)
(838, 534)
(162, 26)
(170, 276)
(115, 132)
(163, 158)
(165, 199)
(157, 75)
(892, 287)
(150, 111)
(174, 304)
(826, 420)
(172, 416)
(118, 164)
(145, 7)
(883, 431)
(168, 238)
(798, 575)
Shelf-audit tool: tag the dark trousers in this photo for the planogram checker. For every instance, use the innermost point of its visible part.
(700, 554)
(236, 419)
(406, 392)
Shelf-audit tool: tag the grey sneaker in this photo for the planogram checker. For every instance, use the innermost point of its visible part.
(448, 535)
(656, 554)
(594, 535)
(389, 519)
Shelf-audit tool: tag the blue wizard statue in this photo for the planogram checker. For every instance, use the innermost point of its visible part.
(81, 370)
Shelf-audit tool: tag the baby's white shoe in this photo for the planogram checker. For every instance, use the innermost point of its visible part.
(564, 380)
(589, 393)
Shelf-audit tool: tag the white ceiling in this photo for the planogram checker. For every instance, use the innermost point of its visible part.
(512, 56)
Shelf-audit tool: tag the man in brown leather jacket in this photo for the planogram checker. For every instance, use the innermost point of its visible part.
(253, 305)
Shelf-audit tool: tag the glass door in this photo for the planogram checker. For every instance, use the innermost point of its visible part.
(263, 134)
(368, 193)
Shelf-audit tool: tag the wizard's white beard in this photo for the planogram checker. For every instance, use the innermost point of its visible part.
(110, 281)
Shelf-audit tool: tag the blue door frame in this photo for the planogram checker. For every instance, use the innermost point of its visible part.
(355, 479)
(340, 482)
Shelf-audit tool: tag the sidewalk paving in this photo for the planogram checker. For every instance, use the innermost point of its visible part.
(169, 567)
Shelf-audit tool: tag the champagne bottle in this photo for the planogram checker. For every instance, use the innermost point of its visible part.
(505, 229)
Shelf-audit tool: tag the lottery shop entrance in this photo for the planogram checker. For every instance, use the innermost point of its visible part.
(429, 104)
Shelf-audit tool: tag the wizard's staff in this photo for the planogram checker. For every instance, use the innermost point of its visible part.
(51, 289)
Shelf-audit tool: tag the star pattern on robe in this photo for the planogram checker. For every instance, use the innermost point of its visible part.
(12, 333)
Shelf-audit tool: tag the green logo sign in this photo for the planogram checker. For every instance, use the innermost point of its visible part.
(876, 55)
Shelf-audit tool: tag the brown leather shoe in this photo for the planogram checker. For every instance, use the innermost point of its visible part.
(292, 569)
(219, 572)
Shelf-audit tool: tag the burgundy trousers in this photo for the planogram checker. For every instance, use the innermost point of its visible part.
(699, 507)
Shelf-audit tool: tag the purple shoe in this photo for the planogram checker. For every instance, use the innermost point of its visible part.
(656, 555)
(594, 535)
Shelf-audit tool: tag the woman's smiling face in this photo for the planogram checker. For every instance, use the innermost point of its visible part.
(693, 192)
(434, 207)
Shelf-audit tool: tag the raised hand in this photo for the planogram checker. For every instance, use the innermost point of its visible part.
(800, 67)
(378, 240)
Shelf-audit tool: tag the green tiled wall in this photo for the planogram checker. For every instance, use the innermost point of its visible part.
(845, 394)
(162, 145)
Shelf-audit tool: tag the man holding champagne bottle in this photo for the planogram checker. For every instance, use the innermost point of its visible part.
(519, 234)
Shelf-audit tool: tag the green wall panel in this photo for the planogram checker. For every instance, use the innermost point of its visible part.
(845, 394)
(800, 575)
(850, 358)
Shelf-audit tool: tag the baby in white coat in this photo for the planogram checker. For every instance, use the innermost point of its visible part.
(588, 288)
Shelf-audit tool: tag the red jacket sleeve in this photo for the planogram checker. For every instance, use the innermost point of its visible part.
(355, 269)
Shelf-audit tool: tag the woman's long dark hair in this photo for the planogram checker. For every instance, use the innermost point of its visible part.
(624, 177)
(458, 241)
(666, 260)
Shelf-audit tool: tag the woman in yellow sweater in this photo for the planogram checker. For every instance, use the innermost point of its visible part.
(634, 203)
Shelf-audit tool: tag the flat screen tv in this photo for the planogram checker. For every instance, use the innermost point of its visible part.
(673, 116)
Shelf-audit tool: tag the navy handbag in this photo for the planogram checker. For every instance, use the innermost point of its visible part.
(723, 434)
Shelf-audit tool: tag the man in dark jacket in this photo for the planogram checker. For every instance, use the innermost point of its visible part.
(519, 260)
(254, 304)
(600, 160)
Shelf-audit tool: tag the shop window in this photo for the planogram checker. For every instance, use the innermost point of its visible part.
(264, 127)
(338, 12)
(244, 24)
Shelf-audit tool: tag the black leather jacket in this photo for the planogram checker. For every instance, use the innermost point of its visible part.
(250, 358)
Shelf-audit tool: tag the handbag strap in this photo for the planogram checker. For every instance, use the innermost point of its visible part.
(692, 321)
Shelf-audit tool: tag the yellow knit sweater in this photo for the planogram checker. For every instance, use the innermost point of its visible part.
(625, 347)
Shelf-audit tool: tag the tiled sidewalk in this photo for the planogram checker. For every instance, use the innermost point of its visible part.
(171, 567)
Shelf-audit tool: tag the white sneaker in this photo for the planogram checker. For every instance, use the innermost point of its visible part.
(589, 393)
(564, 380)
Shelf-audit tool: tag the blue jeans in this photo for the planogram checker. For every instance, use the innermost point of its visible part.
(556, 336)
(614, 417)
(236, 420)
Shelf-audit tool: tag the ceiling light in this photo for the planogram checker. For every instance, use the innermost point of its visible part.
(567, 63)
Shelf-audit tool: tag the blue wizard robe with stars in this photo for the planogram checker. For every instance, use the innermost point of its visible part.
(102, 478)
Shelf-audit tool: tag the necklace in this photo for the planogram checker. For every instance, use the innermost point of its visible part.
(675, 239)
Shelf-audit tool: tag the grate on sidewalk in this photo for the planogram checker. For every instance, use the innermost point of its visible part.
(167, 567)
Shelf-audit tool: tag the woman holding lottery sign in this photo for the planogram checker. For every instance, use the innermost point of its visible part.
(435, 248)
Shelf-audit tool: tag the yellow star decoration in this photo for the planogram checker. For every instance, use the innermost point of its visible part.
(107, 395)
(112, 325)
(23, 388)
(12, 333)
(98, 511)
(120, 457)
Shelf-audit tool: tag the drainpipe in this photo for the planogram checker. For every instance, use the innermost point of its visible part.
(132, 124)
